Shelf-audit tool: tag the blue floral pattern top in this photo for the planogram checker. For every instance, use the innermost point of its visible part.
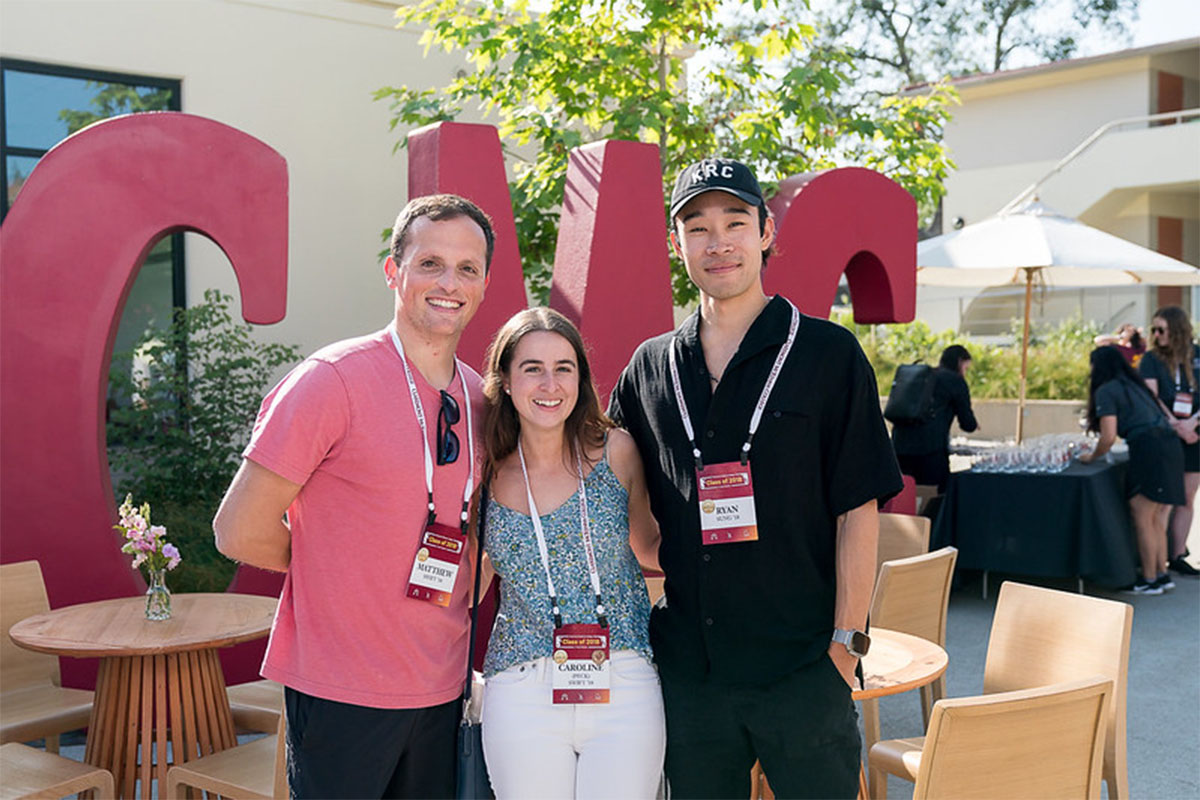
(524, 622)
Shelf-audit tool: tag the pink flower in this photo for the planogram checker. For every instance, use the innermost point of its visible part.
(172, 554)
(133, 524)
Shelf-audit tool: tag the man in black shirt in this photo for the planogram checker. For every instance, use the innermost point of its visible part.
(764, 480)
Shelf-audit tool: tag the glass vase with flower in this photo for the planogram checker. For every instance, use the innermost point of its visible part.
(150, 550)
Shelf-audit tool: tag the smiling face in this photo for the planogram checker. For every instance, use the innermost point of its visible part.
(441, 277)
(717, 235)
(543, 379)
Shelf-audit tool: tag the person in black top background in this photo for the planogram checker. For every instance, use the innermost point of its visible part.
(1169, 369)
(1121, 404)
(923, 448)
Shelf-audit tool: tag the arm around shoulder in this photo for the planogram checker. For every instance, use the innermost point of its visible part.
(249, 525)
(626, 463)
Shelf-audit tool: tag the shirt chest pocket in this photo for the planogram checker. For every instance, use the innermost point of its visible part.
(786, 443)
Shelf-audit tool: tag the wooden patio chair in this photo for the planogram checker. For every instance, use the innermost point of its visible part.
(29, 773)
(1043, 742)
(655, 587)
(1039, 637)
(925, 493)
(901, 536)
(253, 771)
(255, 705)
(912, 595)
(33, 703)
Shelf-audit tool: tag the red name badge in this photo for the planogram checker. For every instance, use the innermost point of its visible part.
(581, 664)
(726, 495)
(1183, 405)
(436, 566)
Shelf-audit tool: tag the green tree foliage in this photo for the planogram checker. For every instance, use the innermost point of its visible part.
(1057, 365)
(112, 99)
(687, 75)
(176, 432)
(910, 41)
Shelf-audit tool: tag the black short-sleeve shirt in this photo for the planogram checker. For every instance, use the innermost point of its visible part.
(1132, 405)
(1152, 367)
(753, 612)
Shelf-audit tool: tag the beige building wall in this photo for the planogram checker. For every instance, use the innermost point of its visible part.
(297, 75)
(1013, 128)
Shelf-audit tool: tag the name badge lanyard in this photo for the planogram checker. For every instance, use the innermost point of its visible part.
(585, 530)
(756, 418)
(420, 412)
(1182, 406)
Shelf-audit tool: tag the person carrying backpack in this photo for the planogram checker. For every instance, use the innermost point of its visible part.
(922, 440)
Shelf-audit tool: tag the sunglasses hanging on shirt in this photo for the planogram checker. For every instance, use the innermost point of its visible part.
(447, 440)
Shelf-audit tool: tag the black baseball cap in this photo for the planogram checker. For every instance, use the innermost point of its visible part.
(715, 174)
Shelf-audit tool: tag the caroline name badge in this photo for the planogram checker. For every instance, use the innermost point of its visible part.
(1183, 405)
(436, 566)
(726, 495)
(581, 664)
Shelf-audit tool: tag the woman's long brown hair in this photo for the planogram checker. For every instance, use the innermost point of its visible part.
(1178, 352)
(587, 423)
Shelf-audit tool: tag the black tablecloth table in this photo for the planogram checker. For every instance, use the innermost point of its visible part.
(1073, 523)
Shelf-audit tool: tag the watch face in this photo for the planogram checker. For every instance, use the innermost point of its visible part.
(860, 643)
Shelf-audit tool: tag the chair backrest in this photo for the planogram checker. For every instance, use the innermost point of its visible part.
(925, 493)
(912, 595)
(1041, 636)
(281, 783)
(1042, 742)
(901, 536)
(23, 594)
(655, 587)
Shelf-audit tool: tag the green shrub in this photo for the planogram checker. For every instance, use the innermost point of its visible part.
(183, 402)
(1057, 362)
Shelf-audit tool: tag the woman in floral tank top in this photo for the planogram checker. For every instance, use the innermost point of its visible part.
(573, 707)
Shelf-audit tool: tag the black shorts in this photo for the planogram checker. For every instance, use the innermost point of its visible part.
(927, 469)
(1156, 466)
(344, 750)
(1191, 457)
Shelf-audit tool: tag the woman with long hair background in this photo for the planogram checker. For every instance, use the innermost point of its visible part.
(1169, 369)
(573, 707)
(1120, 403)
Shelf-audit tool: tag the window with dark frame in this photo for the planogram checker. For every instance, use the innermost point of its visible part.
(42, 104)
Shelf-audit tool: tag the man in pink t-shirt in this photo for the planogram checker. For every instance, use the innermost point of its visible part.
(369, 448)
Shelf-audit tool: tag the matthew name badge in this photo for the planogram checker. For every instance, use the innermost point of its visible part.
(581, 664)
(436, 566)
(1183, 405)
(726, 495)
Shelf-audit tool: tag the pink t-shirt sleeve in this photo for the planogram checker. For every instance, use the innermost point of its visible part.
(301, 422)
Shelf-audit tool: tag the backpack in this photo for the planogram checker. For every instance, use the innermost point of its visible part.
(911, 398)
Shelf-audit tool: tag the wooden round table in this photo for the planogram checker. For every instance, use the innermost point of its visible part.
(898, 662)
(156, 678)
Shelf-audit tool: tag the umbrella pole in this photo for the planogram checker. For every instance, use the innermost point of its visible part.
(1024, 355)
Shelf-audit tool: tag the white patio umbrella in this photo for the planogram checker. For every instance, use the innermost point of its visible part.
(1034, 244)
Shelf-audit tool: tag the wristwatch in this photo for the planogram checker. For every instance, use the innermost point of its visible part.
(857, 643)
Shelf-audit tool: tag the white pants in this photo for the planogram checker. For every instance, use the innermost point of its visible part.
(535, 749)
